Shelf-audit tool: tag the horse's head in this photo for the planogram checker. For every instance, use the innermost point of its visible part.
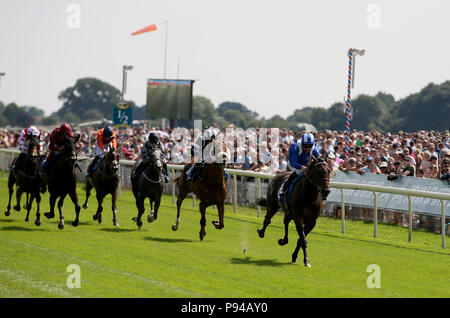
(111, 158)
(155, 160)
(69, 152)
(318, 173)
(33, 147)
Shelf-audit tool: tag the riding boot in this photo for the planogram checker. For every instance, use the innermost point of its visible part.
(285, 186)
(92, 166)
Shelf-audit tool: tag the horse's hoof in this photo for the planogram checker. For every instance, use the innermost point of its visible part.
(85, 206)
(139, 223)
(217, 225)
(202, 235)
(134, 219)
(60, 226)
(174, 227)
(99, 219)
(116, 224)
(7, 213)
(26, 219)
(308, 265)
(95, 217)
(49, 215)
(282, 242)
(17, 208)
(75, 223)
(37, 222)
(260, 233)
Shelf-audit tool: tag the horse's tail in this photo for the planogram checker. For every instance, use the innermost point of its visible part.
(262, 202)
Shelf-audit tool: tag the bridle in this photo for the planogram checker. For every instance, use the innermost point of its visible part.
(152, 164)
(311, 180)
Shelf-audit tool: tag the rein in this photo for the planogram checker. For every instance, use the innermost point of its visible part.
(153, 181)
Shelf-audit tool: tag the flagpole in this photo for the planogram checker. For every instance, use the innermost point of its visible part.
(165, 48)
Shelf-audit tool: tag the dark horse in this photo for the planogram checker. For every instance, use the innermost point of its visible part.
(210, 187)
(105, 180)
(62, 180)
(148, 184)
(304, 206)
(27, 180)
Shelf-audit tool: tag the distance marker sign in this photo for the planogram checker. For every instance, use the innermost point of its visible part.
(122, 115)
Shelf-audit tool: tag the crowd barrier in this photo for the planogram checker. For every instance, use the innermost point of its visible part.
(242, 192)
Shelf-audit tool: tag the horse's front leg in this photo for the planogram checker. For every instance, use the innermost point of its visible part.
(38, 214)
(51, 214)
(114, 207)
(301, 242)
(285, 240)
(202, 207)
(155, 207)
(181, 196)
(29, 201)
(98, 214)
(74, 197)
(221, 212)
(11, 182)
(88, 193)
(61, 216)
(18, 198)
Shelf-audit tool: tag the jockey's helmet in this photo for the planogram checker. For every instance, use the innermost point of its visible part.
(153, 138)
(107, 132)
(33, 131)
(307, 139)
(65, 128)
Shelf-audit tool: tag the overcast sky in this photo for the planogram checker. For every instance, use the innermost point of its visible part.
(272, 56)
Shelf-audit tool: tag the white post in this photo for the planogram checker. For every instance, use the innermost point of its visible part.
(193, 200)
(342, 210)
(443, 223)
(375, 214)
(259, 195)
(173, 187)
(409, 219)
(235, 192)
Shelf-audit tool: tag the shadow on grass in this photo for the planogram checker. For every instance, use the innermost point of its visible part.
(260, 262)
(168, 240)
(20, 228)
(118, 230)
(6, 220)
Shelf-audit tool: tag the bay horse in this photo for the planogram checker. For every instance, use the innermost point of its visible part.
(304, 206)
(209, 187)
(27, 180)
(148, 184)
(62, 180)
(105, 180)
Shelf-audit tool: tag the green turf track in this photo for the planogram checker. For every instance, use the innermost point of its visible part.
(157, 262)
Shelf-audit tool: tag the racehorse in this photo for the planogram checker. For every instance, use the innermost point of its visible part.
(105, 180)
(148, 184)
(304, 206)
(210, 186)
(27, 180)
(62, 180)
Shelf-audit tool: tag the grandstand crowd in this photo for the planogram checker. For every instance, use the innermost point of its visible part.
(423, 154)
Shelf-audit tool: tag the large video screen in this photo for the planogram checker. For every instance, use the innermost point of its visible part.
(169, 99)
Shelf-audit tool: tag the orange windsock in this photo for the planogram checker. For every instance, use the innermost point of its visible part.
(149, 28)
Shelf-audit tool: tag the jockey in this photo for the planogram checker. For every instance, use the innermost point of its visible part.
(198, 146)
(105, 137)
(151, 144)
(58, 138)
(23, 143)
(300, 154)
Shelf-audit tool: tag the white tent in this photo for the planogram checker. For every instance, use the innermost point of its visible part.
(307, 127)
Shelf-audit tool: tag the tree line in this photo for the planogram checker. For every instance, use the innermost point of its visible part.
(92, 99)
